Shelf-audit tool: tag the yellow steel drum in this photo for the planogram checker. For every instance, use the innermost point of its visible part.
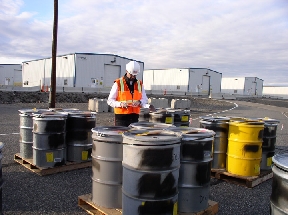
(248, 130)
(244, 149)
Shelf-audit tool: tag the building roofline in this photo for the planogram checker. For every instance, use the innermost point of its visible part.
(75, 53)
(187, 68)
(10, 64)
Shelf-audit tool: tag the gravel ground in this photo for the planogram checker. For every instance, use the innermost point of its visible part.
(25, 193)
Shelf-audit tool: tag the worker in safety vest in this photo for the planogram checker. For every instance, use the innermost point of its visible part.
(127, 96)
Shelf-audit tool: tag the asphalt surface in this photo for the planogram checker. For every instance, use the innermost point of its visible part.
(24, 192)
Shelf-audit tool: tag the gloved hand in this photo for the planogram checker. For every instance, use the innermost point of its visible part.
(136, 103)
(123, 104)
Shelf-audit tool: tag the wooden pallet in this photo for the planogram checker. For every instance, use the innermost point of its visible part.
(28, 163)
(215, 171)
(85, 203)
(247, 181)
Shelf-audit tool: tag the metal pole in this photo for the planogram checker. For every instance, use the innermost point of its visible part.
(52, 94)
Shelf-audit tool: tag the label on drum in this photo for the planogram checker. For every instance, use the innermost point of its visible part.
(184, 119)
(57, 160)
(168, 120)
(269, 161)
(49, 157)
(84, 155)
(257, 168)
(175, 208)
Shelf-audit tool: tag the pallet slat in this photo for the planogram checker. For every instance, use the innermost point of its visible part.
(85, 203)
(28, 163)
(247, 181)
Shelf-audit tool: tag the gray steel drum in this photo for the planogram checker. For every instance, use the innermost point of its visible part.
(107, 155)
(144, 115)
(151, 161)
(26, 150)
(73, 152)
(49, 148)
(181, 117)
(269, 141)
(26, 134)
(196, 143)
(266, 160)
(193, 198)
(150, 125)
(1, 180)
(78, 135)
(162, 116)
(279, 195)
(195, 171)
(220, 125)
(132, 205)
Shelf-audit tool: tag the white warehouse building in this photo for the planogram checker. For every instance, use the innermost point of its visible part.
(248, 86)
(186, 81)
(275, 91)
(77, 70)
(11, 74)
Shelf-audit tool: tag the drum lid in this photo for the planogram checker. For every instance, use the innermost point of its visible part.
(281, 160)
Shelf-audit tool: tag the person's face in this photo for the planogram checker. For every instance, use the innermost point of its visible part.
(131, 77)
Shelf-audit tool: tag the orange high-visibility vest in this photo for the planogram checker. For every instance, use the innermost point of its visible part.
(124, 95)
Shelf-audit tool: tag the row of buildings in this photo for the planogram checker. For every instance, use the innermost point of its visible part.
(97, 72)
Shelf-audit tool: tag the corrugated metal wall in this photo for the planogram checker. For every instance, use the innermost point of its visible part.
(249, 86)
(275, 91)
(33, 73)
(100, 71)
(188, 80)
(78, 70)
(148, 79)
(171, 80)
(233, 85)
(11, 74)
(259, 87)
(203, 80)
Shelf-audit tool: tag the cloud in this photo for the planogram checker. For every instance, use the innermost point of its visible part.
(235, 38)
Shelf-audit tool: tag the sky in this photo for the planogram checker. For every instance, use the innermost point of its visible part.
(238, 38)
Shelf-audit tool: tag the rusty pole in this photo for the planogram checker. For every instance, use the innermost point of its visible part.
(52, 94)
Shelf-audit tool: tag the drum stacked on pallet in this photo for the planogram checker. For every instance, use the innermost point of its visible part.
(144, 115)
(53, 136)
(181, 117)
(279, 196)
(162, 116)
(244, 147)
(26, 134)
(220, 125)
(269, 141)
(49, 131)
(107, 155)
(78, 135)
(151, 162)
(195, 170)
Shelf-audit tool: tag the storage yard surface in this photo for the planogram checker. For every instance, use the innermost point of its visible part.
(24, 192)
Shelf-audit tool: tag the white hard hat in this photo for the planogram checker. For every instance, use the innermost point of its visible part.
(133, 68)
